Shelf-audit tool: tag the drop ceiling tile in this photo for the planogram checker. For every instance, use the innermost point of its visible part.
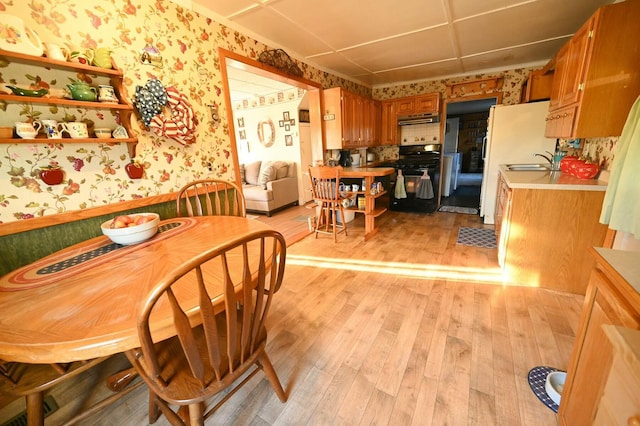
(337, 62)
(275, 28)
(461, 9)
(403, 51)
(526, 23)
(507, 58)
(230, 7)
(343, 24)
(440, 69)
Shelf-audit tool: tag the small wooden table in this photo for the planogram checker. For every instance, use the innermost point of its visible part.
(370, 210)
(83, 302)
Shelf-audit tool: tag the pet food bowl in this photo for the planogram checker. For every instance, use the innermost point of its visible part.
(555, 384)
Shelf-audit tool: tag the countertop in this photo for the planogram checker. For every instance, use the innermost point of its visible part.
(366, 171)
(550, 180)
(626, 263)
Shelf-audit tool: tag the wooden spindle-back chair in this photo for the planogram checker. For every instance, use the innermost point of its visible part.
(220, 340)
(211, 197)
(325, 182)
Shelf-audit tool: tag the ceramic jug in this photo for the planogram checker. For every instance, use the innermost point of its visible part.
(81, 56)
(107, 94)
(75, 129)
(51, 128)
(81, 91)
(102, 57)
(56, 51)
(27, 130)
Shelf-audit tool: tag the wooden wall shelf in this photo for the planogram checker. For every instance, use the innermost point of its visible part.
(115, 75)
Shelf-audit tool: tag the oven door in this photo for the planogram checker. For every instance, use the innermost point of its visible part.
(421, 194)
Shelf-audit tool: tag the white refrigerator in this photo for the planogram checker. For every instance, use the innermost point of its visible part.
(514, 134)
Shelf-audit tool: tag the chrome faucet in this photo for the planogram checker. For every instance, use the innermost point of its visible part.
(549, 157)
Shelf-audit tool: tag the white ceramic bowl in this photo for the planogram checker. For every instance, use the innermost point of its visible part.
(555, 384)
(131, 234)
(102, 133)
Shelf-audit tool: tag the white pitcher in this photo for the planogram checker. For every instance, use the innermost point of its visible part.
(28, 130)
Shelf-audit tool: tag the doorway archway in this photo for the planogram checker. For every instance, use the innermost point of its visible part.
(229, 61)
(464, 143)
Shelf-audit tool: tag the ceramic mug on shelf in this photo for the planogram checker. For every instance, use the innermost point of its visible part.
(107, 94)
(82, 56)
(57, 52)
(75, 129)
(28, 130)
(52, 129)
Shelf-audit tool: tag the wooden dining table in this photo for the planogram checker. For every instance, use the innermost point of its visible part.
(83, 302)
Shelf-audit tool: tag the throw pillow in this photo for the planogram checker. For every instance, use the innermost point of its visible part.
(282, 169)
(267, 173)
(252, 172)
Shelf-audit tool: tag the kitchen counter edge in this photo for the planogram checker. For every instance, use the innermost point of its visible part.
(549, 181)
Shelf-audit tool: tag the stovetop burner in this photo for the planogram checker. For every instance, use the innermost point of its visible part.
(418, 156)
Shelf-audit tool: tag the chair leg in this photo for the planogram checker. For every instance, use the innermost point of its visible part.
(35, 409)
(334, 218)
(344, 220)
(154, 410)
(270, 372)
(196, 411)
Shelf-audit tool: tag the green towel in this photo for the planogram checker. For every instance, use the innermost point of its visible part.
(621, 206)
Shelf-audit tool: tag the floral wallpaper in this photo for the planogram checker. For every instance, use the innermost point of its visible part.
(94, 172)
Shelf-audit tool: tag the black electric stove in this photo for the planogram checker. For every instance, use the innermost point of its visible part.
(414, 164)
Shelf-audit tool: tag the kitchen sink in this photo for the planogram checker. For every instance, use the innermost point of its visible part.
(528, 167)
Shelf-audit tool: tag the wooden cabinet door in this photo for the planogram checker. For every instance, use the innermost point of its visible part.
(502, 211)
(349, 132)
(427, 104)
(576, 63)
(593, 353)
(389, 123)
(405, 106)
(558, 75)
(374, 122)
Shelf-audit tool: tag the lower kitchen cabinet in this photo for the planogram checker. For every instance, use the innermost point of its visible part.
(544, 235)
(610, 300)
(620, 402)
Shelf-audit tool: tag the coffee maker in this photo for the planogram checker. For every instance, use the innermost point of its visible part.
(345, 159)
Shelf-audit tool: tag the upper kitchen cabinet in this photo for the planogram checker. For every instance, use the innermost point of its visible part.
(422, 104)
(389, 123)
(537, 87)
(597, 75)
(350, 120)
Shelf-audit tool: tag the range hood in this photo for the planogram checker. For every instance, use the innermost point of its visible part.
(407, 120)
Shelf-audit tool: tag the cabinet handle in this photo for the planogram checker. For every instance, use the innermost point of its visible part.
(566, 114)
(558, 116)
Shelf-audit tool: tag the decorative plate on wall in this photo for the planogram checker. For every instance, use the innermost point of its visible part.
(16, 37)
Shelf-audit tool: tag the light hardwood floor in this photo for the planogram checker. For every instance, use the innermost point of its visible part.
(407, 328)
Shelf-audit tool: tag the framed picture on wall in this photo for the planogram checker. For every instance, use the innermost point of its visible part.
(303, 116)
(285, 115)
(243, 134)
(287, 127)
(241, 122)
(288, 140)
